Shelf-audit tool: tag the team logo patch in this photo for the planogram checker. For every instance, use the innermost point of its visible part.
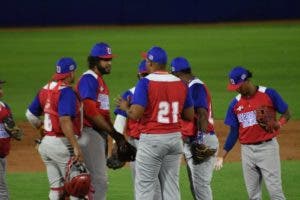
(58, 69)
(150, 57)
(71, 67)
(243, 77)
(232, 81)
(108, 50)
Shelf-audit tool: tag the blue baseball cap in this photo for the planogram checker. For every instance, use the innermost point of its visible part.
(64, 66)
(157, 55)
(237, 77)
(179, 63)
(142, 67)
(101, 50)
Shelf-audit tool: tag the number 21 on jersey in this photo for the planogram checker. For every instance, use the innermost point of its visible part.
(165, 109)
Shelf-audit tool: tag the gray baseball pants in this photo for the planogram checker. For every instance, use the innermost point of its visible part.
(262, 162)
(157, 191)
(158, 157)
(93, 147)
(3, 187)
(200, 175)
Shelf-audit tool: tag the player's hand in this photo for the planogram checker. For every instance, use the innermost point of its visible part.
(121, 103)
(219, 163)
(78, 155)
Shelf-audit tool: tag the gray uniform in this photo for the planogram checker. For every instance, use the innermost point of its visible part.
(158, 157)
(262, 162)
(157, 191)
(93, 146)
(200, 175)
(3, 187)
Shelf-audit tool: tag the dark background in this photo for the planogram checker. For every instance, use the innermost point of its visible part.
(96, 12)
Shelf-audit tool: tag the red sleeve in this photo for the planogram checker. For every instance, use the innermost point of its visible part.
(90, 107)
(4, 112)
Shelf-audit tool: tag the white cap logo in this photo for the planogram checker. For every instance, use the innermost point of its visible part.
(232, 81)
(243, 77)
(150, 57)
(173, 69)
(58, 69)
(71, 67)
(108, 50)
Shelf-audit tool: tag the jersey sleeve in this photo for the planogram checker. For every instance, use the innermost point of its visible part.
(126, 96)
(231, 138)
(199, 96)
(280, 105)
(231, 118)
(88, 87)
(188, 100)
(140, 96)
(4, 111)
(35, 106)
(67, 103)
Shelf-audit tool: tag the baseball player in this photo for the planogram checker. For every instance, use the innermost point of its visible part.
(202, 129)
(61, 108)
(97, 123)
(5, 137)
(159, 101)
(131, 127)
(259, 147)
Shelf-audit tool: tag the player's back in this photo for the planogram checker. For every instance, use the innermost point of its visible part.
(166, 99)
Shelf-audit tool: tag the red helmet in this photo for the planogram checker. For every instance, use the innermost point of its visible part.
(77, 180)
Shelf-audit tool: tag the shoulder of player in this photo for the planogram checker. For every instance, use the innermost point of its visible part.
(162, 77)
(196, 81)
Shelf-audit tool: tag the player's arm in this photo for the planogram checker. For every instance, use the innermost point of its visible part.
(229, 144)
(188, 107)
(139, 101)
(33, 112)
(280, 105)
(67, 111)
(232, 121)
(199, 95)
(67, 128)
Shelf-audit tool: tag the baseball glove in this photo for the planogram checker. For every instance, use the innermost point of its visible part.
(266, 118)
(113, 161)
(200, 152)
(11, 128)
(126, 152)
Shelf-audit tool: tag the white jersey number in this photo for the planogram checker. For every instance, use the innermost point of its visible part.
(164, 110)
(47, 122)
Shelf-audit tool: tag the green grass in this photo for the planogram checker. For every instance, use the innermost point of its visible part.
(270, 51)
(227, 184)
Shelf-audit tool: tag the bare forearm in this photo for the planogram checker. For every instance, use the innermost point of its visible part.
(67, 128)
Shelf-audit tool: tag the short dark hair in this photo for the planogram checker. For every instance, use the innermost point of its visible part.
(249, 74)
(92, 61)
(186, 71)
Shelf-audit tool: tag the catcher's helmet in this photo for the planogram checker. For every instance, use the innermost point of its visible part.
(77, 180)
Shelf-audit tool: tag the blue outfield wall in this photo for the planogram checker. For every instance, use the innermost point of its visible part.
(94, 12)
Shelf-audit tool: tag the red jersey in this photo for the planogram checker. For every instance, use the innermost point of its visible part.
(202, 99)
(241, 114)
(164, 97)
(4, 136)
(54, 100)
(92, 86)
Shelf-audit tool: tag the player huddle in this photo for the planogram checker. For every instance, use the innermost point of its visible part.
(165, 115)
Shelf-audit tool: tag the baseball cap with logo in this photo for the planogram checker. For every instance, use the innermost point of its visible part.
(142, 67)
(237, 77)
(64, 67)
(101, 50)
(179, 63)
(156, 54)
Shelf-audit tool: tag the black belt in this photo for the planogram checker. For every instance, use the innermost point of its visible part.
(261, 142)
